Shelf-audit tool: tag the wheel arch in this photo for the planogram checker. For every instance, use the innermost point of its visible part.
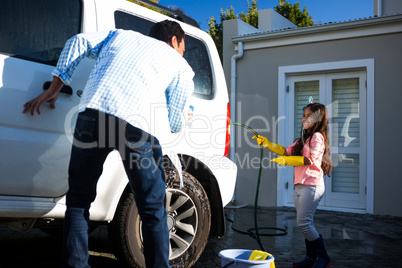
(189, 164)
(209, 182)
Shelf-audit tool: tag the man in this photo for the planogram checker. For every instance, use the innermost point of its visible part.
(131, 71)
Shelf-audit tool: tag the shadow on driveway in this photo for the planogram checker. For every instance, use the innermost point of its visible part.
(352, 240)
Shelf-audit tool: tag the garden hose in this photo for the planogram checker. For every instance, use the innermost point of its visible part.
(254, 232)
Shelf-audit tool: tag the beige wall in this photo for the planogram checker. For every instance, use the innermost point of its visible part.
(257, 96)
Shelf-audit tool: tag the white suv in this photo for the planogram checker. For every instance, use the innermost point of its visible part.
(35, 151)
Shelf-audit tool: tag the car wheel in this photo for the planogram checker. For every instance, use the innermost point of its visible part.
(189, 222)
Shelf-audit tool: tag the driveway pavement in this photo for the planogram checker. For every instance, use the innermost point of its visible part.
(352, 240)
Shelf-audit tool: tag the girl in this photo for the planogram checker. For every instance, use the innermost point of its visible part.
(310, 155)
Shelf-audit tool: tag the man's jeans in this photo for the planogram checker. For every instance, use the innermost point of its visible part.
(96, 135)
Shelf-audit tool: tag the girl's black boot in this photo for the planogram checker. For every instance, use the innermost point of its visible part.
(323, 259)
(310, 258)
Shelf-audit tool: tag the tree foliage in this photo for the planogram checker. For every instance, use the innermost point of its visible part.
(216, 29)
(289, 11)
(294, 14)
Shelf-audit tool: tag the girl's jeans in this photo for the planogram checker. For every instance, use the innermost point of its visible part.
(306, 199)
(96, 135)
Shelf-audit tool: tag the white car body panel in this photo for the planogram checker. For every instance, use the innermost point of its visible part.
(40, 141)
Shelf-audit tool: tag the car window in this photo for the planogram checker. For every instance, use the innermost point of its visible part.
(196, 52)
(37, 30)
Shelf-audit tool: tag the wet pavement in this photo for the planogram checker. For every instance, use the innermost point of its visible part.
(352, 240)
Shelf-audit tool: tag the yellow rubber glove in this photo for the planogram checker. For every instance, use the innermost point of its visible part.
(276, 148)
(289, 160)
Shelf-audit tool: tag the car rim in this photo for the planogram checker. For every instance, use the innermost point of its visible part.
(182, 220)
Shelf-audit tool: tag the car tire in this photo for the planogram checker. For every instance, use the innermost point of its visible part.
(189, 221)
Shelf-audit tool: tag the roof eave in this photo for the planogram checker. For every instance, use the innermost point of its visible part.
(319, 29)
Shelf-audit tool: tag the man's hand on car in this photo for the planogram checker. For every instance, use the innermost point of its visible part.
(49, 96)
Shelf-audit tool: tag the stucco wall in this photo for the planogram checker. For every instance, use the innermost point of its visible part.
(387, 7)
(257, 96)
(388, 128)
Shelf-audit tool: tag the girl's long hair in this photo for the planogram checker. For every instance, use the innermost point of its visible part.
(320, 113)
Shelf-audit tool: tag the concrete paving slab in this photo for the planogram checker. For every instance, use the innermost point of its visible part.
(352, 240)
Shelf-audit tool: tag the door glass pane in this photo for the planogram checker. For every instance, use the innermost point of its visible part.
(345, 113)
(196, 52)
(38, 30)
(303, 90)
(345, 176)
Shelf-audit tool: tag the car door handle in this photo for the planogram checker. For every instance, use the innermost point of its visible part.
(65, 89)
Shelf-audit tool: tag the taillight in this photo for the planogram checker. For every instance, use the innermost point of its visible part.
(227, 143)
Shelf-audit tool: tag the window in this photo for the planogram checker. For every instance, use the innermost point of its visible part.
(345, 125)
(129, 22)
(37, 30)
(196, 52)
(352, 136)
(303, 91)
(343, 94)
(346, 134)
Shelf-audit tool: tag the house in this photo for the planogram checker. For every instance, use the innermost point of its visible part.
(355, 69)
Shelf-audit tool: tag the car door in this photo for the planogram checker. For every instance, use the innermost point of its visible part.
(35, 150)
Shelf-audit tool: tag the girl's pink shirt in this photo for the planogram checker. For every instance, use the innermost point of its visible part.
(313, 150)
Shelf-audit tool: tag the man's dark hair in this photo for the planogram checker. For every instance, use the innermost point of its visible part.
(165, 30)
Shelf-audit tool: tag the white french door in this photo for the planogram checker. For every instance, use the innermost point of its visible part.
(344, 95)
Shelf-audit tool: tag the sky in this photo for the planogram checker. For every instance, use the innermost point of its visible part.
(323, 11)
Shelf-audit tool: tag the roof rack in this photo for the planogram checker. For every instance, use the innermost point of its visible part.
(174, 13)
